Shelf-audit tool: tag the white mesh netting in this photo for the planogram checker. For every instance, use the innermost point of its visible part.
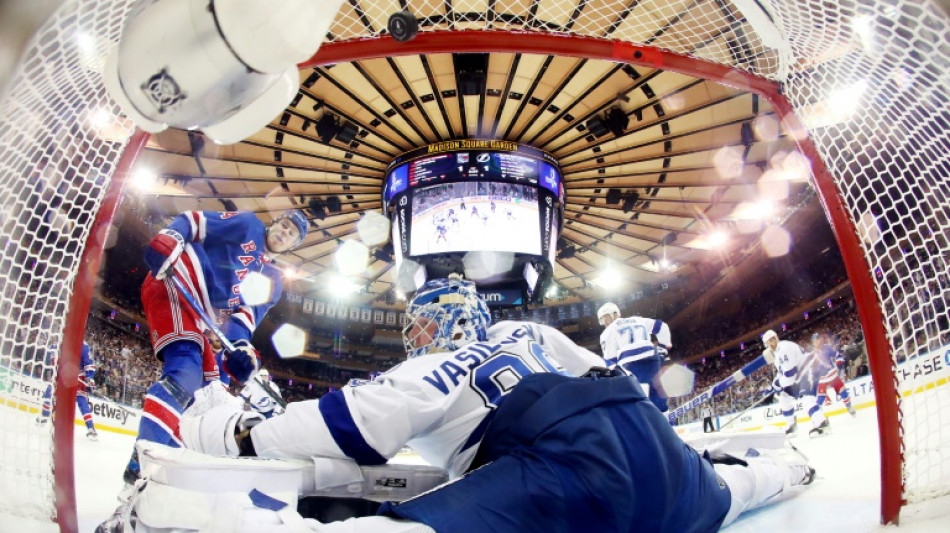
(869, 80)
(59, 143)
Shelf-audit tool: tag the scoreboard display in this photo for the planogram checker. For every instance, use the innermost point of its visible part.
(451, 198)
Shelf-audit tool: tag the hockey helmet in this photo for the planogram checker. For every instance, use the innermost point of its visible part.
(444, 315)
(770, 334)
(264, 375)
(608, 308)
(299, 220)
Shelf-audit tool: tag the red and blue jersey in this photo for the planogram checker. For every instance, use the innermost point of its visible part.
(827, 362)
(221, 250)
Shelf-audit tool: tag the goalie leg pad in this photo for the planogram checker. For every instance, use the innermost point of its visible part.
(770, 475)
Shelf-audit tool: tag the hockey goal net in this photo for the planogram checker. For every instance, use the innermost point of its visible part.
(862, 84)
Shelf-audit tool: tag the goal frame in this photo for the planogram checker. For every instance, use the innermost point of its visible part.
(469, 41)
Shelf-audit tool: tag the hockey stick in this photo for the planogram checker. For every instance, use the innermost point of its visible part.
(766, 358)
(811, 361)
(280, 401)
(201, 312)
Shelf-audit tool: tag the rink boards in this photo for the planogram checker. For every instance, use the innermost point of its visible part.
(925, 372)
(23, 392)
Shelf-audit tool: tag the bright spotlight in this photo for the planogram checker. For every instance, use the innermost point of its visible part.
(351, 258)
(341, 286)
(256, 289)
(143, 180)
(100, 118)
(665, 263)
(373, 228)
(289, 341)
(609, 279)
(718, 238)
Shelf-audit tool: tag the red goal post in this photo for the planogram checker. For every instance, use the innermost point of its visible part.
(880, 170)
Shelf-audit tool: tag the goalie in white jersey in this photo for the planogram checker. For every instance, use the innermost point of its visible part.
(533, 448)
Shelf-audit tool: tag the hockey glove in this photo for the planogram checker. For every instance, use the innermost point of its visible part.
(162, 252)
(243, 363)
(214, 419)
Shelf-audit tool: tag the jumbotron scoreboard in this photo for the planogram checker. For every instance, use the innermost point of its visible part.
(492, 210)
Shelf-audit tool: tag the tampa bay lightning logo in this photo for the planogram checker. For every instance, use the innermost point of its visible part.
(483, 157)
(163, 90)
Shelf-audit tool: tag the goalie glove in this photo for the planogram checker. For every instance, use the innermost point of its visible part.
(243, 363)
(214, 420)
(162, 252)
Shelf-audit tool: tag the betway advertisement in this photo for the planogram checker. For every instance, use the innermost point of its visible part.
(23, 392)
(916, 376)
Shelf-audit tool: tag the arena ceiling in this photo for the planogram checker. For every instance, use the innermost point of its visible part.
(693, 159)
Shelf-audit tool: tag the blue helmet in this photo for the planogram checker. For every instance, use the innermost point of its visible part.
(299, 219)
(459, 313)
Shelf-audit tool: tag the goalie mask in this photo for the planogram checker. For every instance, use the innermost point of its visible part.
(444, 315)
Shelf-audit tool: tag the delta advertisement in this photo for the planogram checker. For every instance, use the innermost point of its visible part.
(916, 376)
(23, 392)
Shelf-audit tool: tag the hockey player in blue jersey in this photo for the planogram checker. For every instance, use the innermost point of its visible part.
(638, 345)
(211, 253)
(536, 437)
(87, 371)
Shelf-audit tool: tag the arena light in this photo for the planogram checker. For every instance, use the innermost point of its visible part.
(144, 180)
(351, 258)
(373, 228)
(289, 341)
(609, 279)
(256, 289)
(342, 286)
(717, 239)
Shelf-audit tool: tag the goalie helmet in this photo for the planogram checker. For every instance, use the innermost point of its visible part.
(608, 308)
(444, 315)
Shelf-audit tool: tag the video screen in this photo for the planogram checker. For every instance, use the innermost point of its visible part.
(454, 166)
(475, 216)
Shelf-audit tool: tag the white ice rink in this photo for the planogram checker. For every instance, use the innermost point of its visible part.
(844, 497)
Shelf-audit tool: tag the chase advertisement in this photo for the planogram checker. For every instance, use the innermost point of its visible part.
(918, 375)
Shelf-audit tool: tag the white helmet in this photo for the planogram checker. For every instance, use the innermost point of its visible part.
(608, 308)
(769, 335)
(264, 375)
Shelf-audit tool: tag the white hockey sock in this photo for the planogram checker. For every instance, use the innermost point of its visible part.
(375, 524)
(752, 486)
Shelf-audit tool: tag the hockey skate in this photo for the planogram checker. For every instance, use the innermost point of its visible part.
(821, 429)
(92, 435)
(851, 410)
(792, 429)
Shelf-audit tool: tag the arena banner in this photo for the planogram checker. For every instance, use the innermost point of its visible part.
(24, 392)
(926, 372)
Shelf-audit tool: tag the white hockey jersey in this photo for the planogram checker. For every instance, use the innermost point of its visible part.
(628, 339)
(258, 398)
(788, 357)
(437, 403)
